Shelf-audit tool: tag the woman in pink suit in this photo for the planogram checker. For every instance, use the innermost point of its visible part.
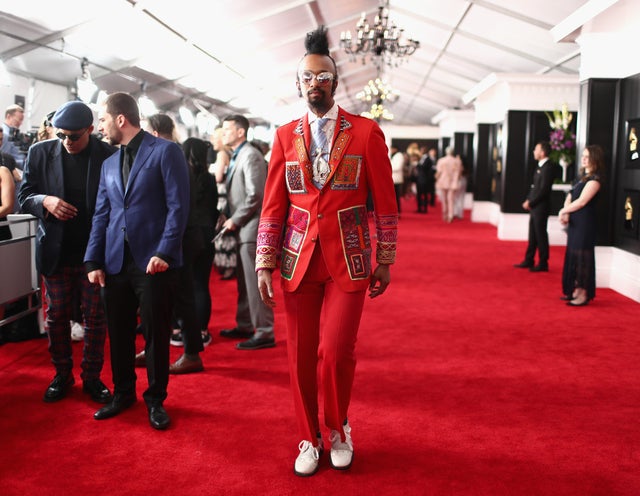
(448, 170)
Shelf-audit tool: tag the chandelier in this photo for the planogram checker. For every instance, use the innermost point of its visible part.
(378, 112)
(377, 92)
(384, 40)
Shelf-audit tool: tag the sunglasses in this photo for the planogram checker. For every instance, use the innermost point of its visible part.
(72, 137)
(323, 78)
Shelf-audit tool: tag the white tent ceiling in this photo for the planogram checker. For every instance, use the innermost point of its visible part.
(243, 54)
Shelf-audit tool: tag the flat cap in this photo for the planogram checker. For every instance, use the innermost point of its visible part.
(73, 116)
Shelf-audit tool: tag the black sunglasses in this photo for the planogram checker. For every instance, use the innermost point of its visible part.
(72, 137)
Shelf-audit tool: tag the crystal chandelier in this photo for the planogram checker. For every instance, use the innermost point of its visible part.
(378, 112)
(377, 92)
(384, 41)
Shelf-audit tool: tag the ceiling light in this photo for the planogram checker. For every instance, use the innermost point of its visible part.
(377, 92)
(86, 89)
(384, 41)
(145, 104)
(186, 116)
(378, 112)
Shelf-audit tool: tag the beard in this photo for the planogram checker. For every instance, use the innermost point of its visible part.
(114, 138)
(319, 101)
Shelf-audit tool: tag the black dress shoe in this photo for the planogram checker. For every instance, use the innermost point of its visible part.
(523, 265)
(256, 343)
(96, 389)
(58, 388)
(118, 404)
(539, 268)
(236, 333)
(158, 417)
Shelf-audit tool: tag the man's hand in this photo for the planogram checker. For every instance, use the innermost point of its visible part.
(156, 264)
(59, 208)
(96, 277)
(526, 206)
(265, 287)
(379, 281)
(229, 225)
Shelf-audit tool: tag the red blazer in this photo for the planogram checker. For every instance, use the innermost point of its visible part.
(296, 214)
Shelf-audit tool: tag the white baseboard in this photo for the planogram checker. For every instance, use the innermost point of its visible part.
(616, 269)
(484, 211)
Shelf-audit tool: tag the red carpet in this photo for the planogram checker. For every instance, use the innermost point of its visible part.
(473, 378)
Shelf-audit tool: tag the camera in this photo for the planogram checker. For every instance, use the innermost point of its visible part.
(23, 140)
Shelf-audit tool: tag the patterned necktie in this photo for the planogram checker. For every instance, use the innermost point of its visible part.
(320, 152)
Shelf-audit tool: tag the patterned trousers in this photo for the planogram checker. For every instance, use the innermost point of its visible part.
(68, 286)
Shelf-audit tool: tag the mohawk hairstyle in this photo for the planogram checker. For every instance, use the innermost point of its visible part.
(316, 42)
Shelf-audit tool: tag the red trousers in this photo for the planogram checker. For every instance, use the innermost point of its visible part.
(327, 349)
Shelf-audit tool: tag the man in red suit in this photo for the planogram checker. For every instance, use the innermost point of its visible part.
(322, 169)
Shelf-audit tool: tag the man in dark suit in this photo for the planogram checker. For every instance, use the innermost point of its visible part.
(538, 204)
(60, 184)
(422, 180)
(135, 248)
(432, 160)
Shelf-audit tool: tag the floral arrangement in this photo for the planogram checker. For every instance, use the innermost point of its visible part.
(561, 139)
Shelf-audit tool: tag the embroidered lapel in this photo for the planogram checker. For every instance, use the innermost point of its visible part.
(301, 142)
(339, 146)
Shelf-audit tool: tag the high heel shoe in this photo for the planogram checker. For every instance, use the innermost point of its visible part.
(581, 304)
(566, 298)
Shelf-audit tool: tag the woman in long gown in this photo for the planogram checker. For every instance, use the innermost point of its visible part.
(579, 215)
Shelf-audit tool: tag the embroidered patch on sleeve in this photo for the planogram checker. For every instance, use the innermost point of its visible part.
(295, 178)
(356, 244)
(387, 234)
(347, 175)
(296, 232)
(268, 242)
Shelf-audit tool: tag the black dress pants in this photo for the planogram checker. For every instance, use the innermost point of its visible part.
(124, 294)
(538, 238)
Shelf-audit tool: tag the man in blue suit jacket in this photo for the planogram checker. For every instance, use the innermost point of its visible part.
(59, 188)
(135, 247)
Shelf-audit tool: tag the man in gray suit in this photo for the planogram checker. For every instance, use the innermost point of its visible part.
(246, 178)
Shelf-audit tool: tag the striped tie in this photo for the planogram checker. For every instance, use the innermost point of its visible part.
(320, 152)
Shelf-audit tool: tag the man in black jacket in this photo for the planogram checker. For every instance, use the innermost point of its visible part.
(538, 204)
(60, 185)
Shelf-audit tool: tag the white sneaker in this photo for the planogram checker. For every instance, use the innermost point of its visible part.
(77, 331)
(309, 458)
(341, 454)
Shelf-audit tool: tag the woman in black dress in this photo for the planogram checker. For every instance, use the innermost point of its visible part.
(579, 215)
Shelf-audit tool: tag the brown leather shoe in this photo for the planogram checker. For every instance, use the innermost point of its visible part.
(141, 359)
(184, 365)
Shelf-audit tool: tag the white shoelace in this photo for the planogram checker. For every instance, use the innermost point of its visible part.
(307, 450)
